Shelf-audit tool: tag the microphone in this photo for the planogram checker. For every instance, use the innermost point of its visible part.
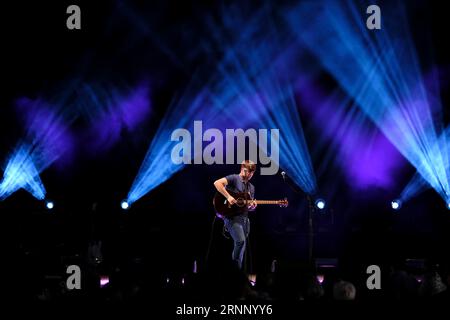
(289, 182)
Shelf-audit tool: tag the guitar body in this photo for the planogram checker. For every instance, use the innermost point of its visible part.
(224, 209)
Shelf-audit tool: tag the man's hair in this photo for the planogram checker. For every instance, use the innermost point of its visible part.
(249, 165)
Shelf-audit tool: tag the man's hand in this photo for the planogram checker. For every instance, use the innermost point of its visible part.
(252, 205)
(231, 200)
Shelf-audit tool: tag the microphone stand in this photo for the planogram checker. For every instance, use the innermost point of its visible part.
(310, 229)
(310, 219)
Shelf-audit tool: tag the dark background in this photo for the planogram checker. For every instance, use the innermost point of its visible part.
(169, 228)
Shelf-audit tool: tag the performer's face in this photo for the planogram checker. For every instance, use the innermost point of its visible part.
(246, 174)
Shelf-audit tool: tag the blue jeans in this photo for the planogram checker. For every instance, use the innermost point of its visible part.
(239, 228)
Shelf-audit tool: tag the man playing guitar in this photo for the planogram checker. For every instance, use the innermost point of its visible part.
(238, 225)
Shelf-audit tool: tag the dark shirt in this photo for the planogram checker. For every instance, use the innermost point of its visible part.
(236, 184)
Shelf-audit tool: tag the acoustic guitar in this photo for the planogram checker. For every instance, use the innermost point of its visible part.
(225, 209)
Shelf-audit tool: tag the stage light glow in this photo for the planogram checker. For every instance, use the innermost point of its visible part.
(418, 183)
(104, 280)
(21, 172)
(48, 134)
(111, 111)
(124, 205)
(320, 204)
(47, 139)
(366, 157)
(252, 279)
(50, 205)
(380, 71)
(415, 186)
(194, 269)
(396, 204)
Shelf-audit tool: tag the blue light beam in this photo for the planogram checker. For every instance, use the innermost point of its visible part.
(20, 172)
(239, 90)
(381, 72)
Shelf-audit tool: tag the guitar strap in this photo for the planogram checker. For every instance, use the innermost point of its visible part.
(247, 196)
(245, 189)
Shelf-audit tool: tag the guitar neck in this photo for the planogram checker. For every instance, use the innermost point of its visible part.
(265, 201)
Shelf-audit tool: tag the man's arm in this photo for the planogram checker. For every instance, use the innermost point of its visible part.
(220, 185)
